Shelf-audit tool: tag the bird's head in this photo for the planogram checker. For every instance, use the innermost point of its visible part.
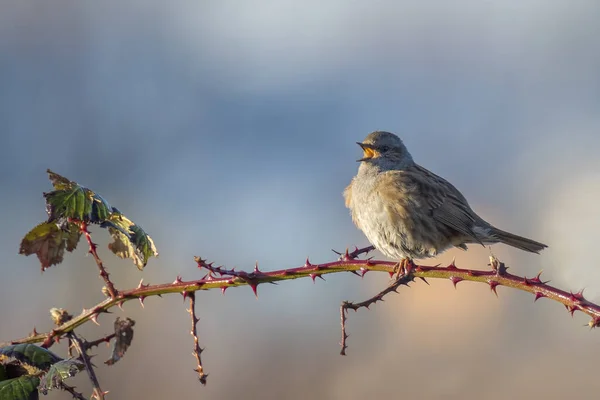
(384, 149)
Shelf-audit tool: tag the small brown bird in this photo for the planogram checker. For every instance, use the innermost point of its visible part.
(408, 212)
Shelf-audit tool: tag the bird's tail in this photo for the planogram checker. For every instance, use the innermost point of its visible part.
(517, 241)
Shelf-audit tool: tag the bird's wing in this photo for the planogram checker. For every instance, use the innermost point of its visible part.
(436, 197)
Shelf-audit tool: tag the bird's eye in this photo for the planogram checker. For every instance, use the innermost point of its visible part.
(384, 149)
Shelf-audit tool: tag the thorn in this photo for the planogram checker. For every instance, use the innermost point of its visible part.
(94, 319)
(120, 304)
(184, 294)
(355, 273)
(223, 289)
(363, 271)
(177, 280)
(346, 255)
(307, 263)
(391, 274)
(452, 264)
(493, 285)
(455, 280)
(142, 298)
(314, 276)
(34, 332)
(254, 287)
(538, 295)
(425, 280)
(256, 270)
(572, 309)
(537, 279)
(578, 296)
(141, 284)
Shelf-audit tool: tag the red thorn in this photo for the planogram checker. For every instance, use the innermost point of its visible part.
(355, 273)
(94, 319)
(538, 295)
(177, 280)
(537, 279)
(363, 271)
(223, 289)
(455, 280)
(313, 277)
(254, 287)
(346, 256)
(256, 270)
(572, 309)
(577, 296)
(369, 261)
(184, 294)
(493, 285)
(425, 280)
(307, 263)
(452, 265)
(391, 274)
(142, 298)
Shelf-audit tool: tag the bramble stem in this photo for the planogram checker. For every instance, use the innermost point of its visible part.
(572, 301)
(93, 251)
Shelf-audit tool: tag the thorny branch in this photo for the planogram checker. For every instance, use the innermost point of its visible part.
(93, 251)
(572, 301)
(194, 332)
(71, 389)
(81, 347)
(392, 287)
(221, 278)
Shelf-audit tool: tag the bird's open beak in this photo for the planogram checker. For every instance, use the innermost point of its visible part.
(368, 150)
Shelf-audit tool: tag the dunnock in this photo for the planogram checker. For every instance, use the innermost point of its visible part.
(408, 212)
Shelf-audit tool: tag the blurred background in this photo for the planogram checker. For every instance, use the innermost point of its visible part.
(227, 129)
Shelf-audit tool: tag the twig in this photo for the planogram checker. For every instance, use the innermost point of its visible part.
(392, 287)
(194, 332)
(71, 389)
(81, 348)
(93, 251)
(97, 342)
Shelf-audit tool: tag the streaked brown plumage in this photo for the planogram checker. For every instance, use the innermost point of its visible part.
(408, 212)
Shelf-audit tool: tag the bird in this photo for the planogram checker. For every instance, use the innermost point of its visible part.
(407, 212)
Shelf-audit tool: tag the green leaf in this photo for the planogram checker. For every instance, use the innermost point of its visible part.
(49, 241)
(58, 372)
(71, 204)
(123, 339)
(130, 240)
(30, 354)
(22, 388)
(71, 200)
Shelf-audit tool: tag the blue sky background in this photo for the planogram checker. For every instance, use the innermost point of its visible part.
(227, 129)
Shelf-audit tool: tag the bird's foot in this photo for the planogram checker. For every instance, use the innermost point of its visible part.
(497, 266)
(403, 267)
